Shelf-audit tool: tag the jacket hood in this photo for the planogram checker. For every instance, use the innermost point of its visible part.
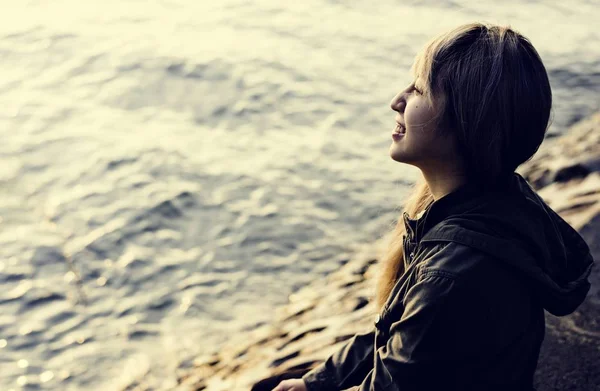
(516, 226)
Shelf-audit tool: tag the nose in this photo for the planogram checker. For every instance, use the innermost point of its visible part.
(398, 102)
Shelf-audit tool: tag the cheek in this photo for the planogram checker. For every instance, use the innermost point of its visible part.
(413, 114)
(419, 115)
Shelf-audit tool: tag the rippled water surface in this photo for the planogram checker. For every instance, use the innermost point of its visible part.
(173, 170)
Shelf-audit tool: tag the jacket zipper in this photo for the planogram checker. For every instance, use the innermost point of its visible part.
(411, 255)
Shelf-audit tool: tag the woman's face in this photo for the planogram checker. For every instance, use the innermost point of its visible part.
(421, 145)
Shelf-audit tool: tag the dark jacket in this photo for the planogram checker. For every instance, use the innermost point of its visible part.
(468, 313)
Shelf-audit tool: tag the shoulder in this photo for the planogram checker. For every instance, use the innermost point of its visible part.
(472, 290)
(461, 269)
(450, 259)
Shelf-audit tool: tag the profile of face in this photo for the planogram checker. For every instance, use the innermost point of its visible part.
(421, 143)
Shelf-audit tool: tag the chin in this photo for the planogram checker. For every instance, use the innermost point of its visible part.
(396, 155)
(400, 157)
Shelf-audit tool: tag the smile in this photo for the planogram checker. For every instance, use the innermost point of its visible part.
(399, 132)
(400, 129)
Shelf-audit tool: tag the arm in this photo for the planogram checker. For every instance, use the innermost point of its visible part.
(432, 334)
(344, 368)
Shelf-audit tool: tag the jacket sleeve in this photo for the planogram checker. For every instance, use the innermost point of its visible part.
(423, 345)
(346, 367)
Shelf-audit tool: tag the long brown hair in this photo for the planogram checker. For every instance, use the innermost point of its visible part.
(496, 102)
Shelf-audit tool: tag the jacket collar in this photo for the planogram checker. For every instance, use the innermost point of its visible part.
(460, 199)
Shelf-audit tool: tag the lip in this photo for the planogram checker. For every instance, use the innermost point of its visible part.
(397, 136)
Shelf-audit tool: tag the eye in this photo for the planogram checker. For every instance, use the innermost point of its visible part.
(417, 90)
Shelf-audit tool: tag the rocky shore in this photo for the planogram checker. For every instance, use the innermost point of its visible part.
(320, 317)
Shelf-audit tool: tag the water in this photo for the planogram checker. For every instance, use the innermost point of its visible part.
(172, 171)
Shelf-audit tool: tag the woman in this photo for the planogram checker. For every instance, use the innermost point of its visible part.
(477, 255)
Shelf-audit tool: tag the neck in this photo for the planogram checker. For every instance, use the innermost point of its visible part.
(443, 182)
